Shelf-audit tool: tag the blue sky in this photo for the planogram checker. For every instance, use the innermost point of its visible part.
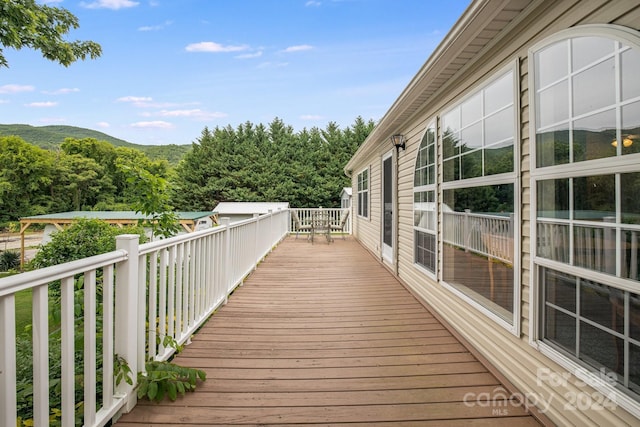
(171, 67)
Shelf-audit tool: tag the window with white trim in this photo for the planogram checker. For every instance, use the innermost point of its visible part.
(586, 181)
(424, 202)
(479, 198)
(363, 193)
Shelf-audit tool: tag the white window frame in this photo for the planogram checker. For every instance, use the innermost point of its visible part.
(503, 178)
(431, 124)
(603, 166)
(360, 193)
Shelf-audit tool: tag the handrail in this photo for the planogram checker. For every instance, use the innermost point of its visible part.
(31, 279)
(489, 235)
(306, 215)
(166, 288)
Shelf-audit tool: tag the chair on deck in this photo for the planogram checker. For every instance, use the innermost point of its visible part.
(299, 226)
(343, 223)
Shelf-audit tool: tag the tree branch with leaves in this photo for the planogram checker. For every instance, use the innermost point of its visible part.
(27, 24)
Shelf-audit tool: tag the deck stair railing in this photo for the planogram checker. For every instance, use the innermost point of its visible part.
(166, 288)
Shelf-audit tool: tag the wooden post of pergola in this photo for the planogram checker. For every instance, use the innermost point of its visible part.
(188, 224)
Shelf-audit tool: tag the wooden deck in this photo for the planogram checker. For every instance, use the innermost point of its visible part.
(324, 334)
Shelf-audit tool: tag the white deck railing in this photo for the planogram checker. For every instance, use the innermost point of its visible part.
(306, 216)
(161, 289)
(485, 234)
(592, 245)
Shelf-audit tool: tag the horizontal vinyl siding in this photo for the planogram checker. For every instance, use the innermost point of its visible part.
(367, 230)
(512, 355)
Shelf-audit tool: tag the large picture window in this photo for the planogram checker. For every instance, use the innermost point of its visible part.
(424, 202)
(363, 193)
(586, 182)
(479, 197)
(479, 133)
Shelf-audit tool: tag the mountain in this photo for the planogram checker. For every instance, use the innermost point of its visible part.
(50, 137)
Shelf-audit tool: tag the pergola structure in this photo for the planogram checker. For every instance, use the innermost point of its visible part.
(188, 220)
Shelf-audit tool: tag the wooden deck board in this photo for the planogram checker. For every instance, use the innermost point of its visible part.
(323, 334)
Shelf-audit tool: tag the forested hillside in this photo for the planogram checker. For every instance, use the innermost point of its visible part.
(247, 163)
(51, 137)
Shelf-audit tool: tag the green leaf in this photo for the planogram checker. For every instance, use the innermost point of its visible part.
(152, 392)
(172, 391)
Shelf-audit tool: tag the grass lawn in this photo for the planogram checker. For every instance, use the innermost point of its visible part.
(23, 310)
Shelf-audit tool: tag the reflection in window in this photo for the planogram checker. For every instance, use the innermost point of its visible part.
(592, 139)
(424, 202)
(585, 232)
(579, 108)
(552, 146)
(588, 216)
(630, 129)
(478, 232)
(479, 133)
(587, 320)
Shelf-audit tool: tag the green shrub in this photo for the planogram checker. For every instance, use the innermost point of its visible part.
(9, 260)
(84, 238)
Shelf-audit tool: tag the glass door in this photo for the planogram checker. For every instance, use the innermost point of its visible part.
(387, 209)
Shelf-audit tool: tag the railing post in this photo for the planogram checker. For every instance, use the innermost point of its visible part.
(278, 222)
(270, 230)
(8, 400)
(467, 230)
(256, 240)
(610, 246)
(226, 273)
(127, 305)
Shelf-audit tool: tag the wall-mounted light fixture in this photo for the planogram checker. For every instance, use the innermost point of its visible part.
(398, 141)
(626, 142)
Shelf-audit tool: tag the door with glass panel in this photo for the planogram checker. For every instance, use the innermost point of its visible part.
(387, 207)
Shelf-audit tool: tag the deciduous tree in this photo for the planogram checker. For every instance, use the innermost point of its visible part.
(25, 23)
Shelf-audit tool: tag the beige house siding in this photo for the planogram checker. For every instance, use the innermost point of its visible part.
(367, 230)
(512, 354)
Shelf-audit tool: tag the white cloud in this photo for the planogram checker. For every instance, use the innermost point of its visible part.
(311, 117)
(155, 27)
(273, 64)
(157, 124)
(50, 120)
(43, 104)
(4, 101)
(16, 88)
(109, 4)
(298, 48)
(250, 55)
(312, 3)
(136, 101)
(103, 125)
(61, 91)
(194, 113)
(214, 47)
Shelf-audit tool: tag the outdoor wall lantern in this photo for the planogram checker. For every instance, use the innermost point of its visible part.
(398, 141)
(626, 142)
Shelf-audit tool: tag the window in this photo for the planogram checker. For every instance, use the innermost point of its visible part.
(479, 198)
(424, 202)
(586, 182)
(479, 133)
(363, 193)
